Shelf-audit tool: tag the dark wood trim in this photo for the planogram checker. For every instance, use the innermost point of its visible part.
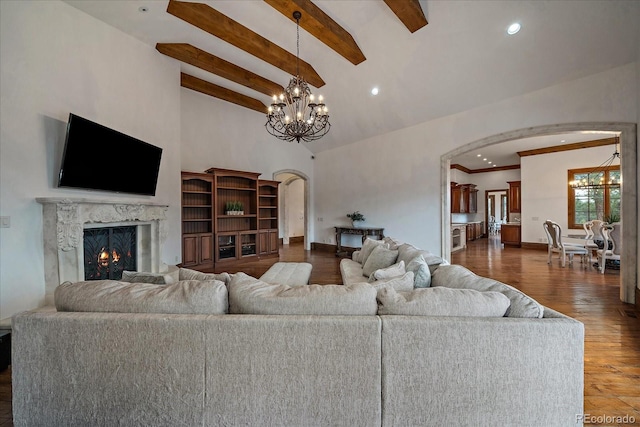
(409, 12)
(194, 83)
(296, 239)
(483, 170)
(322, 27)
(191, 55)
(217, 24)
(568, 147)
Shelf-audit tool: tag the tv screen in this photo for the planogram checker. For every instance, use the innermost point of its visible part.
(98, 158)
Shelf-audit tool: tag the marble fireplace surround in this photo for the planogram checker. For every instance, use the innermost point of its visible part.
(64, 222)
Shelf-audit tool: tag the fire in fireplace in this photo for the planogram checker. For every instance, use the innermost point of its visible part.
(108, 252)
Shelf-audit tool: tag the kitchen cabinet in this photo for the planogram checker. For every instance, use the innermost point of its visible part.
(464, 198)
(515, 196)
(510, 234)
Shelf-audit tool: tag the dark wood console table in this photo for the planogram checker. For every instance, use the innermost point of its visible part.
(362, 231)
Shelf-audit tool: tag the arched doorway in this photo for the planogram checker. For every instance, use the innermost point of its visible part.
(628, 167)
(290, 178)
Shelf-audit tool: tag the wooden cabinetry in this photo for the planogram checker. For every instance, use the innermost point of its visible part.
(197, 220)
(510, 234)
(475, 230)
(464, 198)
(268, 217)
(514, 196)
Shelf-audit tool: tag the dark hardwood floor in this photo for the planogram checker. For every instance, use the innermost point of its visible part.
(612, 328)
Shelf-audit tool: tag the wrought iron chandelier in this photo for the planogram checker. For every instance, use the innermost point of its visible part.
(595, 179)
(296, 114)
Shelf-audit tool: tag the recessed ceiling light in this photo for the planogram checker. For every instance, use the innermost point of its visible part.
(374, 91)
(490, 162)
(143, 9)
(485, 159)
(563, 140)
(494, 166)
(479, 155)
(513, 28)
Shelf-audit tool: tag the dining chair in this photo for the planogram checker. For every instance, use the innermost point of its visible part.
(555, 245)
(589, 242)
(611, 235)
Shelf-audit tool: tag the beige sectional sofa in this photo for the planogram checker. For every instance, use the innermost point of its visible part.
(313, 356)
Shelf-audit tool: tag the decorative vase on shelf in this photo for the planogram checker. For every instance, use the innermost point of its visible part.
(357, 224)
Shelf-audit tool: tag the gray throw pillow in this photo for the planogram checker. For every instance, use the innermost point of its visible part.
(145, 277)
(421, 272)
(368, 246)
(188, 274)
(442, 302)
(380, 258)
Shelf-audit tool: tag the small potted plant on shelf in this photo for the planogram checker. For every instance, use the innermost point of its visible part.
(233, 208)
(356, 218)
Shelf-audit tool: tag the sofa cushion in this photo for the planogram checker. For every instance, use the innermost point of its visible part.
(248, 295)
(182, 297)
(442, 301)
(367, 247)
(394, 270)
(393, 243)
(288, 273)
(399, 283)
(188, 274)
(146, 277)
(457, 276)
(420, 269)
(380, 257)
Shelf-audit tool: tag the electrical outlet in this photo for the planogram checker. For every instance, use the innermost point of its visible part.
(5, 221)
(320, 219)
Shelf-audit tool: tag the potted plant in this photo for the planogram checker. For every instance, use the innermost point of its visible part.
(233, 208)
(356, 218)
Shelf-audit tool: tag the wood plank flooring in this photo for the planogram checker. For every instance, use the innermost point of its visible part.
(612, 328)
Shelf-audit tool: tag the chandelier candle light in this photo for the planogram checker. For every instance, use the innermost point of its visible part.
(596, 178)
(296, 114)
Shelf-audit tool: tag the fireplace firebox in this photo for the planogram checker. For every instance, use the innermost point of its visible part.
(108, 251)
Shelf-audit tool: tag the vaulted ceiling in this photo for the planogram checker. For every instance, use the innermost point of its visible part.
(242, 52)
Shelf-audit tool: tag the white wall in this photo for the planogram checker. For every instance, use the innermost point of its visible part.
(394, 179)
(544, 188)
(57, 60)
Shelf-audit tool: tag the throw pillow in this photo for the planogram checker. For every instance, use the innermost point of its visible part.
(442, 302)
(145, 277)
(457, 276)
(407, 252)
(387, 273)
(421, 271)
(380, 258)
(393, 243)
(368, 246)
(188, 274)
(248, 295)
(183, 297)
(400, 283)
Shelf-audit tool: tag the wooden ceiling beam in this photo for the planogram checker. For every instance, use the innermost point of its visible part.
(215, 23)
(568, 147)
(322, 27)
(194, 83)
(409, 12)
(191, 55)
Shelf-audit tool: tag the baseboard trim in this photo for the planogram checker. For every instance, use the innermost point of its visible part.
(296, 239)
(532, 245)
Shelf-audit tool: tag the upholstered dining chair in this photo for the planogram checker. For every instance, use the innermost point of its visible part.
(555, 244)
(611, 235)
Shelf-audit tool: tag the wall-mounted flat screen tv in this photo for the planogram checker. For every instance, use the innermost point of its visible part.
(98, 158)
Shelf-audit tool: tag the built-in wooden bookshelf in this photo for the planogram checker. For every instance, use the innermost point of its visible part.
(268, 217)
(197, 220)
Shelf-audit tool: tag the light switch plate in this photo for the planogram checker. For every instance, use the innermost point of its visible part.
(5, 221)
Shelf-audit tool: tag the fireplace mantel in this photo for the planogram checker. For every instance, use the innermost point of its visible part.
(64, 221)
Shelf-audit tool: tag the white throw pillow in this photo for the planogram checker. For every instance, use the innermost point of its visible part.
(368, 246)
(380, 258)
(442, 302)
(401, 283)
(420, 269)
(387, 273)
(248, 295)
